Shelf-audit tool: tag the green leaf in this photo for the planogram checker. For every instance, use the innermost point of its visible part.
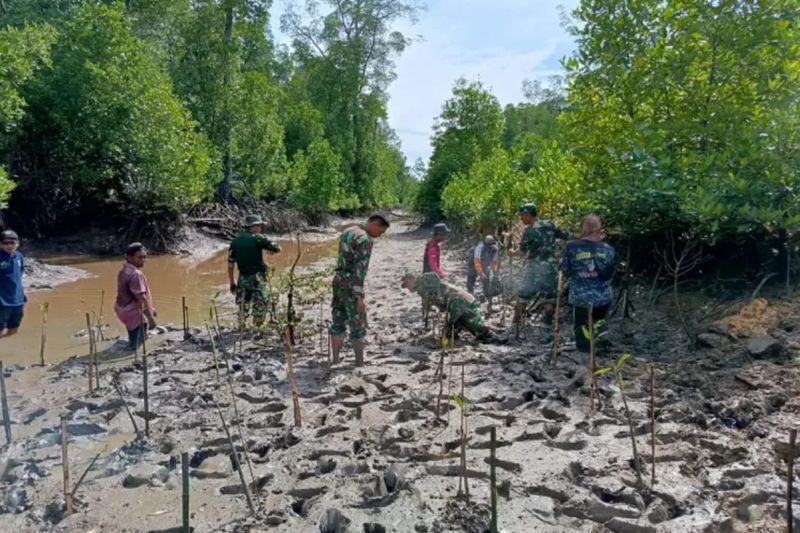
(586, 333)
(602, 371)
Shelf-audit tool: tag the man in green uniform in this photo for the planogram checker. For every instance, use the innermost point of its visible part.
(348, 307)
(246, 254)
(538, 246)
(462, 307)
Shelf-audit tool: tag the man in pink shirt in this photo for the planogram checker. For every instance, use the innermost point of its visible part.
(133, 295)
(431, 261)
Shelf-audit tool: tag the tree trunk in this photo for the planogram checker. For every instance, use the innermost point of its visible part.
(225, 185)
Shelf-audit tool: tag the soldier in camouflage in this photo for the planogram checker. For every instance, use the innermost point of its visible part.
(348, 308)
(461, 307)
(538, 246)
(246, 254)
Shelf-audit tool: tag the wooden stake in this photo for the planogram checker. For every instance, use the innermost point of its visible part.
(45, 308)
(213, 350)
(185, 318)
(115, 383)
(236, 462)
(592, 377)
(493, 480)
(89, 330)
(4, 399)
(185, 472)
(65, 464)
(653, 424)
(464, 434)
(144, 377)
(789, 481)
(100, 316)
(298, 420)
(557, 317)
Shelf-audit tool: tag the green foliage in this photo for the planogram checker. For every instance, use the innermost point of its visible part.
(319, 175)
(469, 129)
(681, 113)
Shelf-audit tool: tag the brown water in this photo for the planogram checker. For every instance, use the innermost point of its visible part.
(170, 279)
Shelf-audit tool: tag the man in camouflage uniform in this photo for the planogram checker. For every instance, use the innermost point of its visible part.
(348, 308)
(246, 254)
(462, 307)
(538, 246)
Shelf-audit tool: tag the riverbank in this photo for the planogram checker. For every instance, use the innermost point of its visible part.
(373, 449)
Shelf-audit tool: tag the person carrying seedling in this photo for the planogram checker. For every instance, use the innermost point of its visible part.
(461, 307)
(538, 246)
(483, 263)
(348, 307)
(246, 254)
(588, 264)
(431, 261)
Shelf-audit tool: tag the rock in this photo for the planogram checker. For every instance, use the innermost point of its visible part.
(374, 528)
(658, 512)
(421, 527)
(392, 478)
(618, 525)
(766, 348)
(712, 340)
(375, 487)
(133, 481)
(214, 467)
(598, 511)
(333, 521)
(355, 469)
(16, 500)
(719, 328)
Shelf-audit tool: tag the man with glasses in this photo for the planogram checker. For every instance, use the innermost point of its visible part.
(133, 295)
(12, 295)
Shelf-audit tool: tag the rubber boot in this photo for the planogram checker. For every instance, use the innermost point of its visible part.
(337, 341)
(358, 348)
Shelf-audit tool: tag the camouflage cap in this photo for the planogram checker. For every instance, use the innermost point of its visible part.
(253, 220)
(529, 208)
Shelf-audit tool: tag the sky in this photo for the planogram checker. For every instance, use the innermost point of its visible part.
(499, 42)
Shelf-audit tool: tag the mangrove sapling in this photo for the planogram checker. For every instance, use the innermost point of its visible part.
(616, 369)
(589, 334)
(461, 401)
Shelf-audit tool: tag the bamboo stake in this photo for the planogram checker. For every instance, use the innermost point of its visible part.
(185, 318)
(789, 482)
(65, 464)
(559, 286)
(298, 420)
(493, 480)
(144, 376)
(463, 436)
(185, 472)
(94, 349)
(91, 353)
(653, 424)
(115, 383)
(213, 350)
(100, 316)
(592, 377)
(236, 462)
(4, 399)
(85, 472)
(45, 308)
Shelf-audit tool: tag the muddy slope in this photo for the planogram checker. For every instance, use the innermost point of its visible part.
(372, 454)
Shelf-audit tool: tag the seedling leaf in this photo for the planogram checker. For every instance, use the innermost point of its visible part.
(602, 371)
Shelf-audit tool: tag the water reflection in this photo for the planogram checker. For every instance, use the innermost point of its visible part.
(170, 278)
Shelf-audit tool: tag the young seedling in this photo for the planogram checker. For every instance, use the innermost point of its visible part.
(616, 368)
(461, 401)
(590, 334)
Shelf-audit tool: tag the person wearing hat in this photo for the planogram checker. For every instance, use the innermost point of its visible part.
(483, 263)
(431, 261)
(588, 264)
(461, 307)
(12, 294)
(348, 305)
(538, 246)
(246, 254)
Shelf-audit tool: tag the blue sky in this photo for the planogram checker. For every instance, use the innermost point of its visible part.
(500, 42)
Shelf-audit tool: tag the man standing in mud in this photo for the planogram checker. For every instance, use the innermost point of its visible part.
(12, 294)
(348, 307)
(134, 298)
(538, 245)
(588, 264)
(246, 254)
(461, 307)
(432, 259)
(483, 263)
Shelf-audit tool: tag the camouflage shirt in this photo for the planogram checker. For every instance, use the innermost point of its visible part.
(438, 292)
(539, 240)
(355, 249)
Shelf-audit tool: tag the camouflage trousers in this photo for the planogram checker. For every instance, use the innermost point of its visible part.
(344, 315)
(540, 278)
(465, 315)
(252, 296)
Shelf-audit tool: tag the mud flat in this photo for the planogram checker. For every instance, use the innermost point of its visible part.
(372, 455)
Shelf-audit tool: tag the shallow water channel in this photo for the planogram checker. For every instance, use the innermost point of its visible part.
(171, 278)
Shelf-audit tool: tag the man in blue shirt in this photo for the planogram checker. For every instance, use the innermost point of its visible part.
(12, 296)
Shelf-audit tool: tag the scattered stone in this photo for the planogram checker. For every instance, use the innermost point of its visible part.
(214, 467)
(618, 525)
(134, 481)
(307, 493)
(659, 512)
(355, 469)
(594, 509)
(766, 347)
(374, 528)
(333, 521)
(325, 467)
(554, 411)
(16, 500)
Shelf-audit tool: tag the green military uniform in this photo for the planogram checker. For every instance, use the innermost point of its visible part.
(246, 252)
(539, 247)
(461, 306)
(355, 250)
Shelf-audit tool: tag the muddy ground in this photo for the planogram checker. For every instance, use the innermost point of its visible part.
(372, 455)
